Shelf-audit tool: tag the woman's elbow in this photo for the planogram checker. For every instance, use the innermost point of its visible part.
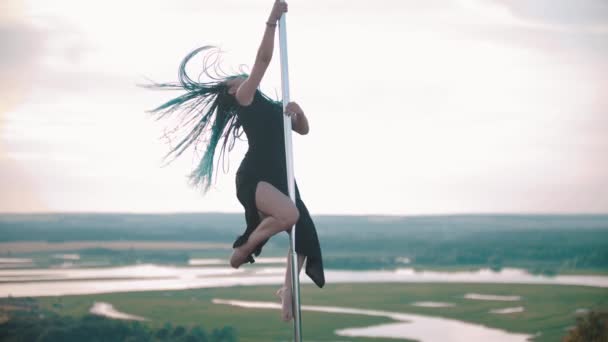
(243, 100)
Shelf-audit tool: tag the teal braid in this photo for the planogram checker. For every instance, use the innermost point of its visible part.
(206, 113)
(203, 173)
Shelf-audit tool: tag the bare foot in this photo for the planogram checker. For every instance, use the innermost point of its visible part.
(284, 294)
(239, 256)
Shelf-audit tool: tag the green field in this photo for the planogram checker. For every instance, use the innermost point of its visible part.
(548, 309)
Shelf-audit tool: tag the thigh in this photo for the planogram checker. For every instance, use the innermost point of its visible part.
(272, 202)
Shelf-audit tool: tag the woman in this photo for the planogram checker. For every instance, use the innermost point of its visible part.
(219, 109)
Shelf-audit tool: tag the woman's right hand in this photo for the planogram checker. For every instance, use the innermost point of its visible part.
(278, 9)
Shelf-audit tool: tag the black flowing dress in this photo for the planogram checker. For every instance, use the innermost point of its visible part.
(262, 122)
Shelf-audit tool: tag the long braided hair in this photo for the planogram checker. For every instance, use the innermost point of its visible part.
(206, 115)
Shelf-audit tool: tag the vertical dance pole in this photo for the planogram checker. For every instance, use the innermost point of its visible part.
(295, 281)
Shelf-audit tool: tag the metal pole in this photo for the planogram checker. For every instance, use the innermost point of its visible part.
(295, 282)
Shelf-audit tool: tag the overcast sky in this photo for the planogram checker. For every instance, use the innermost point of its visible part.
(415, 107)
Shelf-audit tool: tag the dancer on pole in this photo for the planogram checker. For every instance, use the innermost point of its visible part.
(221, 109)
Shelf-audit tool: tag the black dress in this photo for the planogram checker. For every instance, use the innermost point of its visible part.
(262, 122)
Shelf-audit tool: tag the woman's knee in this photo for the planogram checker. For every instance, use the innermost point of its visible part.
(288, 217)
(271, 202)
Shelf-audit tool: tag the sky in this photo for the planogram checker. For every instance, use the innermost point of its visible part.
(415, 107)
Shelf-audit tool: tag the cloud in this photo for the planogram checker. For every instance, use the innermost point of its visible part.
(19, 54)
(20, 45)
(565, 13)
(575, 31)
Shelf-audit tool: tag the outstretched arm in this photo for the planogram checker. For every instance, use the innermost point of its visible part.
(246, 91)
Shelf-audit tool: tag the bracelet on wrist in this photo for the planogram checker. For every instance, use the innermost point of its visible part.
(271, 24)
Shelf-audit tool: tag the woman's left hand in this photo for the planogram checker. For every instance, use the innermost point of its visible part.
(299, 121)
(277, 11)
(293, 108)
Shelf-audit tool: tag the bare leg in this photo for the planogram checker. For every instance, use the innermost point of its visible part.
(285, 292)
(277, 212)
(267, 228)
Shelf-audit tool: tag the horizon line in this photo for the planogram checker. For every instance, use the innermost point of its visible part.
(322, 214)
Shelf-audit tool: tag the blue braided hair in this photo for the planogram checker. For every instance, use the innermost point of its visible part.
(206, 114)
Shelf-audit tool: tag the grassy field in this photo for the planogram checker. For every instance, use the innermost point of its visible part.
(548, 309)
